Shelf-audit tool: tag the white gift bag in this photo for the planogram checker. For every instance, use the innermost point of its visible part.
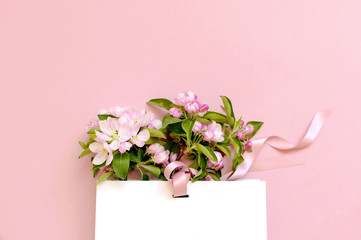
(214, 210)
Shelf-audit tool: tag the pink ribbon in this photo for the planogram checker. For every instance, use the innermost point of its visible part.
(180, 179)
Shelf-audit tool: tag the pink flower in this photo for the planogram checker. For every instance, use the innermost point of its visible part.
(103, 153)
(140, 138)
(155, 124)
(204, 108)
(125, 146)
(161, 157)
(175, 112)
(181, 99)
(197, 127)
(240, 135)
(207, 178)
(218, 165)
(191, 96)
(192, 107)
(155, 148)
(208, 136)
(173, 157)
(248, 129)
(184, 98)
(214, 133)
(249, 144)
(242, 122)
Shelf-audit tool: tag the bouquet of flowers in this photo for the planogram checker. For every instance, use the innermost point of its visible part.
(125, 139)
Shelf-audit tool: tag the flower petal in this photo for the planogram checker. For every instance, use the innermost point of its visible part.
(101, 137)
(105, 127)
(114, 145)
(125, 146)
(137, 142)
(96, 147)
(100, 158)
(124, 133)
(144, 135)
(109, 159)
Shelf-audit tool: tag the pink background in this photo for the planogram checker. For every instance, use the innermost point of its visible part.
(279, 61)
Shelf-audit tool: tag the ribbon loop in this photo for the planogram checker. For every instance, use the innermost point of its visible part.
(179, 180)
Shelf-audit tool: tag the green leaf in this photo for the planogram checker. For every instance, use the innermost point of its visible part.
(154, 140)
(177, 129)
(194, 165)
(140, 154)
(236, 161)
(201, 174)
(82, 145)
(168, 119)
(238, 123)
(207, 151)
(227, 104)
(237, 145)
(161, 102)
(224, 149)
(155, 171)
(203, 120)
(202, 161)
(187, 126)
(104, 177)
(218, 117)
(256, 126)
(121, 165)
(105, 116)
(85, 152)
(93, 129)
(175, 148)
(214, 176)
(133, 157)
(145, 177)
(156, 133)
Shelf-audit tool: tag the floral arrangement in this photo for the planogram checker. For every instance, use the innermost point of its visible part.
(122, 140)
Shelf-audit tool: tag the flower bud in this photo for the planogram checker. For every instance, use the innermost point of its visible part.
(240, 135)
(161, 157)
(208, 136)
(204, 108)
(248, 129)
(207, 178)
(197, 127)
(155, 148)
(175, 112)
(173, 157)
(249, 144)
(181, 99)
(192, 107)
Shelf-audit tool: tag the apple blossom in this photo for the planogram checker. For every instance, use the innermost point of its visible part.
(213, 133)
(175, 112)
(240, 135)
(192, 107)
(155, 148)
(161, 157)
(248, 129)
(103, 153)
(197, 127)
(249, 144)
(204, 108)
(124, 146)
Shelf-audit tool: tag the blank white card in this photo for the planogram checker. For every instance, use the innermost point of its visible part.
(214, 210)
